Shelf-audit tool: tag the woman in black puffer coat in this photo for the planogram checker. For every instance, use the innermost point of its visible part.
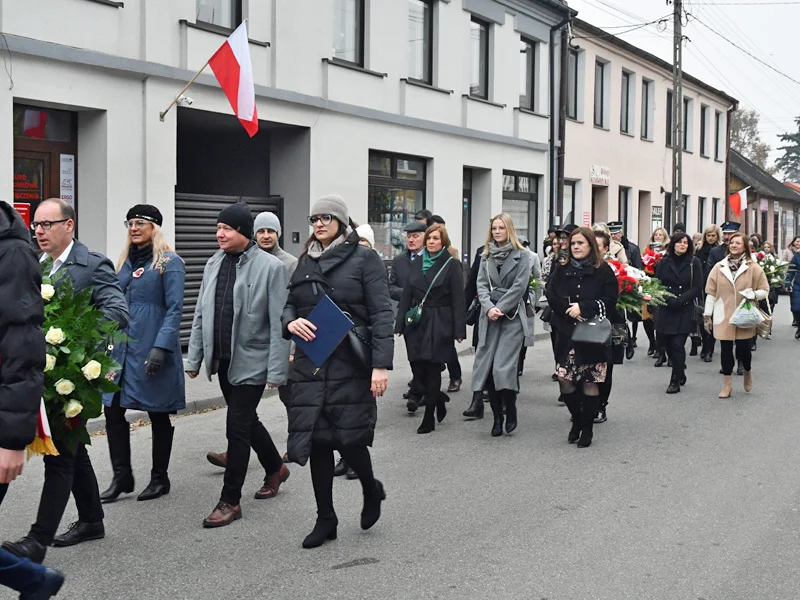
(334, 407)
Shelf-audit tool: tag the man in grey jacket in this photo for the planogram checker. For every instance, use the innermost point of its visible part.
(237, 332)
(268, 231)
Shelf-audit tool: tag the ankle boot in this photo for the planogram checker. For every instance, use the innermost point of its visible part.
(748, 381)
(497, 411)
(428, 421)
(119, 447)
(662, 358)
(674, 385)
(162, 450)
(324, 529)
(441, 407)
(695, 346)
(475, 410)
(159, 486)
(589, 410)
(372, 505)
(727, 387)
(510, 399)
(574, 406)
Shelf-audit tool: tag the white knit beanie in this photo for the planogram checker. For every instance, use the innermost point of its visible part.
(365, 231)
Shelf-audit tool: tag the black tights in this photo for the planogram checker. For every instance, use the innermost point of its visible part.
(743, 355)
(650, 330)
(357, 458)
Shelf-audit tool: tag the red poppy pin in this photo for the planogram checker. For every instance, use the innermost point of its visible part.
(138, 273)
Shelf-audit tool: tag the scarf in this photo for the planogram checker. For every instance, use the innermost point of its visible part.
(428, 260)
(139, 257)
(500, 253)
(315, 248)
(736, 263)
(580, 263)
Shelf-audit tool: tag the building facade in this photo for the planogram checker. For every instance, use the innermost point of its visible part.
(618, 150)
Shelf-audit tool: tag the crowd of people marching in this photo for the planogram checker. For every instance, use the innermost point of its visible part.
(254, 323)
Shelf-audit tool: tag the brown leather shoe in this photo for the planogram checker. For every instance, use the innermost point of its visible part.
(218, 460)
(272, 482)
(223, 514)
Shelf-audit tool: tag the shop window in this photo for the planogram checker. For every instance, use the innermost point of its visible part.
(396, 192)
(40, 124)
(520, 203)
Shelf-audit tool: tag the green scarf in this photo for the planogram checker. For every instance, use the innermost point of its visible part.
(428, 260)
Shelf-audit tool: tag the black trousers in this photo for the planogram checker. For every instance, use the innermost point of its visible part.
(743, 355)
(428, 375)
(675, 345)
(709, 341)
(244, 429)
(321, 458)
(63, 474)
(117, 427)
(453, 365)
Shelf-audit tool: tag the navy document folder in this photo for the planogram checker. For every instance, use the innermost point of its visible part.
(332, 325)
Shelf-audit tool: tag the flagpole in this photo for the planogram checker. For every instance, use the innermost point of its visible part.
(186, 87)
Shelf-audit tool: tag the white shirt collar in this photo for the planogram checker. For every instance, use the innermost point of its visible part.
(62, 258)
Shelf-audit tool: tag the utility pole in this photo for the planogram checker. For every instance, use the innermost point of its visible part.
(677, 112)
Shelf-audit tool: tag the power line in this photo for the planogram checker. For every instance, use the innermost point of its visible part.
(785, 3)
(661, 21)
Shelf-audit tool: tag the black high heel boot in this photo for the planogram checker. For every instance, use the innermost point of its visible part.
(428, 421)
(511, 410)
(119, 447)
(324, 529)
(590, 404)
(662, 358)
(573, 403)
(372, 505)
(441, 407)
(497, 411)
(476, 408)
(159, 480)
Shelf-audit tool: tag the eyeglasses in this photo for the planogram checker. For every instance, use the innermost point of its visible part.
(324, 219)
(46, 225)
(563, 238)
(138, 223)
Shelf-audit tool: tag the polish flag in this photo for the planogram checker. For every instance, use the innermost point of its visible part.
(738, 201)
(232, 67)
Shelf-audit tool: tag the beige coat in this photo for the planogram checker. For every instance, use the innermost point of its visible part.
(617, 250)
(724, 293)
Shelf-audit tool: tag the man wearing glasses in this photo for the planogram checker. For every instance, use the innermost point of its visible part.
(54, 225)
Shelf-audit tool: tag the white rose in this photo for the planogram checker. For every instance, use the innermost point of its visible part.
(65, 387)
(55, 336)
(48, 291)
(91, 370)
(73, 409)
(50, 364)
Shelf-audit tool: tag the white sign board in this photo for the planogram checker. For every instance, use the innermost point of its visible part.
(68, 179)
(600, 175)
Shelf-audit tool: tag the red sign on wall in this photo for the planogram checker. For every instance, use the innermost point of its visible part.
(24, 209)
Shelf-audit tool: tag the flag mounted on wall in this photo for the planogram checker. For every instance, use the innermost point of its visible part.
(738, 201)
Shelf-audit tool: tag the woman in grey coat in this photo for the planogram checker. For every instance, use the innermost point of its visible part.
(503, 326)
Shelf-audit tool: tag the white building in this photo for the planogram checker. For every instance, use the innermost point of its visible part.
(618, 151)
(396, 104)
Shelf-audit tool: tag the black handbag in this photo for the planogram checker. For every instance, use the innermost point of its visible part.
(547, 314)
(360, 339)
(595, 331)
(414, 314)
(473, 312)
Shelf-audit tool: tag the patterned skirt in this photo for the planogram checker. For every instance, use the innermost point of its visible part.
(576, 373)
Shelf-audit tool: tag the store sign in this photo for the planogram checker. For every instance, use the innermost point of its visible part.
(24, 210)
(587, 219)
(68, 179)
(600, 175)
(657, 217)
(776, 206)
(27, 186)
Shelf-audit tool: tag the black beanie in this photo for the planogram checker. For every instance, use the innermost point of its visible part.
(148, 212)
(238, 216)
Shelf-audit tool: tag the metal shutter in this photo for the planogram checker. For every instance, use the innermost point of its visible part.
(195, 241)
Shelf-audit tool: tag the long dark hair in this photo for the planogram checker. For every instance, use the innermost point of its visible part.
(594, 251)
(677, 237)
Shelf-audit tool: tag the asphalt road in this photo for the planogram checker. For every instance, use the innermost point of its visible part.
(683, 497)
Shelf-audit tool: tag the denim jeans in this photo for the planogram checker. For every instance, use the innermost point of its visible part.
(20, 574)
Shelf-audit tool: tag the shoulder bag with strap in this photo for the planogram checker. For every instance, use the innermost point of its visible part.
(414, 314)
(596, 331)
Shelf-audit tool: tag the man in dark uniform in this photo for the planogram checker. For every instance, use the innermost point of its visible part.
(717, 254)
(415, 234)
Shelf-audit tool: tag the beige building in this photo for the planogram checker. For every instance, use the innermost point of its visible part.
(618, 151)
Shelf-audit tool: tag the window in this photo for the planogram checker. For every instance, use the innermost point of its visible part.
(684, 207)
(776, 225)
(572, 84)
(704, 148)
(396, 191)
(527, 74)
(648, 90)
(225, 13)
(599, 94)
(717, 134)
(420, 40)
(348, 31)
(520, 202)
(568, 206)
(764, 221)
(624, 204)
(688, 124)
(625, 121)
(714, 211)
(668, 211)
(701, 213)
(479, 42)
(669, 118)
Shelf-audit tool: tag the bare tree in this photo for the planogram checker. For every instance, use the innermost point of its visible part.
(746, 139)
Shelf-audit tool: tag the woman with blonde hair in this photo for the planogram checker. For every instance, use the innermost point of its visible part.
(152, 278)
(732, 280)
(712, 237)
(651, 257)
(504, 326)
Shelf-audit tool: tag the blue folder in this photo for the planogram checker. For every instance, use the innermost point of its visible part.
(332, 325)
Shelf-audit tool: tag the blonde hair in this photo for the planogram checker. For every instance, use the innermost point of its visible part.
(160, 247)
(512, 232)
(602, 227)
(713, 229)
(662, 230)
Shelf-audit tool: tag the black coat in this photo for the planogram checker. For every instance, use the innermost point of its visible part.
(715, 256)
(443, 314)
(703, 254)
(684, 278)
(633, 253)
(22, 346)
(334, 405)
(584, 286)
(471, 289)
(401, 265)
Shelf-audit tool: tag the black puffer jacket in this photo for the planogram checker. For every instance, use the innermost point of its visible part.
(22, 346)
(683, 277)
(335, 405)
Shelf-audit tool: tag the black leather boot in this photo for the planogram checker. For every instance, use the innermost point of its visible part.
(476, 408)
(428, 421)
(573, 402)
(497, 411)
(510, 399)
(695, 346)
(441, 406)
(162, 450)
(590, 404)
(119, 447)
(662, 358)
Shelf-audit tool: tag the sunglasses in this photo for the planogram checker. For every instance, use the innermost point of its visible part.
(324, 219)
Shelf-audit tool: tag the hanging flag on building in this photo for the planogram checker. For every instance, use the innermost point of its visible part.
(232, 67)
(738, 201)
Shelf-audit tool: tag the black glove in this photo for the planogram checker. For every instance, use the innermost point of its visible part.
(155, 360)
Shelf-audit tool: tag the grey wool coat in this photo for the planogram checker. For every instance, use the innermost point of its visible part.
(500, 341)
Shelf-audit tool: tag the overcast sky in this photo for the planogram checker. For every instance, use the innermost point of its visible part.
(769, 29)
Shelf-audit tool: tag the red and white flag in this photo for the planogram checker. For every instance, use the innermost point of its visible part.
(738, 201)
(232, 67)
